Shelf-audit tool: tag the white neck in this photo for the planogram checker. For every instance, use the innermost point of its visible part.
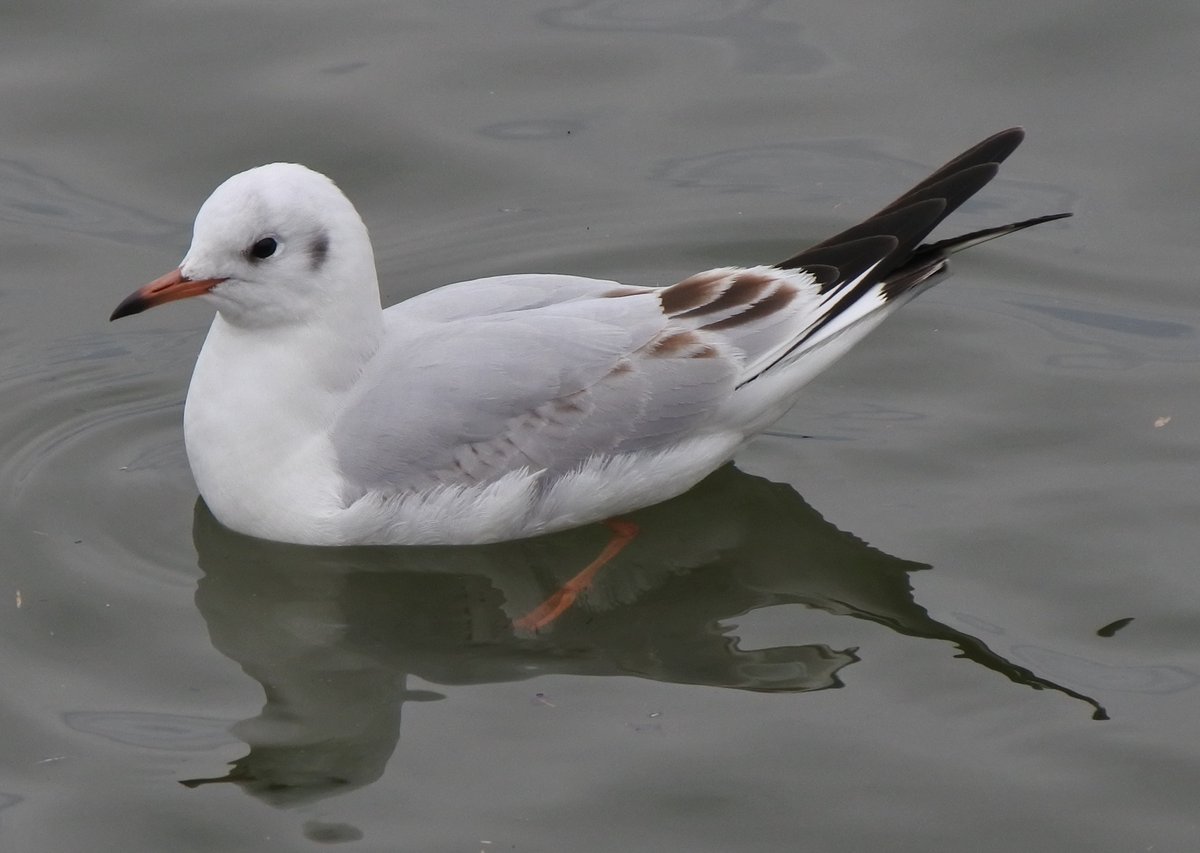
(259, 410)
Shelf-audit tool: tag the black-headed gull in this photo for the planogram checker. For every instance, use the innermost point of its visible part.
(511, 406)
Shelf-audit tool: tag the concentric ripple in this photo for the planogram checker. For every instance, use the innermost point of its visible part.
(91, 451)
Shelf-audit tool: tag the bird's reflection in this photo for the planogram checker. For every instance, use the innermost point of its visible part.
(333, 634)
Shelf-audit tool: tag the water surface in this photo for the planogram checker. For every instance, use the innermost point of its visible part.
(883, 630)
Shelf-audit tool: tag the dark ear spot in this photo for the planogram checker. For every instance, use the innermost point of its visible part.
(318, 251)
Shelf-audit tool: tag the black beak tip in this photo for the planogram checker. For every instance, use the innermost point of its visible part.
(133, 304)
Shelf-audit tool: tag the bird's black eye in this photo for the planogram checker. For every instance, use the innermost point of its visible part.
(264, 248)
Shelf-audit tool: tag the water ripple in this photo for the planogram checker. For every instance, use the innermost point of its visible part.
(762, 45)
(91, 445)
(31, 197)
(175, 732)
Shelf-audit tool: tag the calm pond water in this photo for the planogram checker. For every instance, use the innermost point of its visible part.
(897, 625)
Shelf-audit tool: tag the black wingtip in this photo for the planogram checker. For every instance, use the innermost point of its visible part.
(949, 246)
(1049, 217)
(953, 184)
(909, 219)
(888, 248)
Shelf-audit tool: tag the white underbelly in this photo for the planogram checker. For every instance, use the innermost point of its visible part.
(523, 503)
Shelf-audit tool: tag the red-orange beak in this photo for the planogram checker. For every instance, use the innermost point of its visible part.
(174, 285)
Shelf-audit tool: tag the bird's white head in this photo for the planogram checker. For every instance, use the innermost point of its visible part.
(278, 244)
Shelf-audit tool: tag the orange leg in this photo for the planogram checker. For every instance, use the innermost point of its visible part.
(554, 606)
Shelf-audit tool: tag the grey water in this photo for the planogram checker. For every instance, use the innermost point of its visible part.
(950, 602)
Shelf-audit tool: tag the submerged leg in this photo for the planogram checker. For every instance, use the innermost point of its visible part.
(554, 606)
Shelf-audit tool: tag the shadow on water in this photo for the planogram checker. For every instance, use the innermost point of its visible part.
(333, 634)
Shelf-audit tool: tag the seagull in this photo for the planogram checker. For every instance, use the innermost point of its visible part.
(511, 406)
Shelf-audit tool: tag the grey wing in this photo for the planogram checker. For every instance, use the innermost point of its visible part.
(471, 398)
(499, 294)
(543, 372)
